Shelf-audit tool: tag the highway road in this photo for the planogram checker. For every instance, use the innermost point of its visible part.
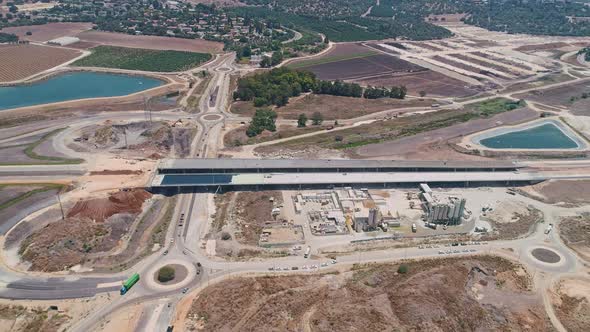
(184, 242)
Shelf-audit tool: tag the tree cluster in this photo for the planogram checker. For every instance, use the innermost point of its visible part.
(275, 59)
(397, 92)
(264, 119)
(338, 88)
(8, 38)
(274, 87)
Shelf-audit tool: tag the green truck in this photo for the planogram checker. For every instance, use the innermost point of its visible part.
(127, 284)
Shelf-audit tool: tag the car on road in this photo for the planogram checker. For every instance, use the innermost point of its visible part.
(472, 250)
(184, 290)
(324, 264)
(440, 252)
(333, 261)
(165, 252)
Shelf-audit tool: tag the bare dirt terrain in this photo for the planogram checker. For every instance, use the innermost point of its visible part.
(143, 138)
(405, 137)
(571, 96)
(46, 32)
(565, 193)
(571, 300)
(18, 318)
(91, 227)
(333, 107)
(483, 293)
(244, 214)
(151, 42)
(21, 61)
(575, 232)
(511, 220)
(238, 137)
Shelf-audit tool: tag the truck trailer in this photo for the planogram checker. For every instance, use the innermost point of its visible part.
(127, 284)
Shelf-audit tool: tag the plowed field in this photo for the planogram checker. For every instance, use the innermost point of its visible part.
(21, 61)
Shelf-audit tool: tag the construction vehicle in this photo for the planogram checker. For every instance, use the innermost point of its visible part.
(127, 284)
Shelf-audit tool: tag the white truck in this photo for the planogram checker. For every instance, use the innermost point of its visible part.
(307, 251)
(548, 229)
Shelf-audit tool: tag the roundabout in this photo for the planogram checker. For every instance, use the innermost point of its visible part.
(212, 117)
(184, 273)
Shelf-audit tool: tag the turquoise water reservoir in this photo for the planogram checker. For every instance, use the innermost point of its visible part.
(74, 85)
(547, 136)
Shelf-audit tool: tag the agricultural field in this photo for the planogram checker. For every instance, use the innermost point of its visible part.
(45, 32)
(142, 59)
(354, 63)
(18, 62)
(428, 295)
(431, 82)
(150, 42)
(367, 66)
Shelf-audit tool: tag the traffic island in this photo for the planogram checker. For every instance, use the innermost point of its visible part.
(184, 273)
(546, 255)
(171, 274)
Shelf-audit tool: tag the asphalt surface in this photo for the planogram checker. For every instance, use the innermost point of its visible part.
(183, 242)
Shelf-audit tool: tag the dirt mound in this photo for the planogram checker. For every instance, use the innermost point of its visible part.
(53, 248)
(100, 209)
(460, 294)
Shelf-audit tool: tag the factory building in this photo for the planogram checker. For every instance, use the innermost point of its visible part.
(447, 211)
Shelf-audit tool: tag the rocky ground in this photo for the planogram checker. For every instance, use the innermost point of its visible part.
(575, 233)
(461, 294)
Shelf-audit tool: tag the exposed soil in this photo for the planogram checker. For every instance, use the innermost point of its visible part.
(238, 137)
(17, 318)
(54, 248)
(517, 225)
(333, 107)
(18, 62)
(145, 138)
(561, 192)
(100, 209)
(45, 32)
(151, 42)
(431, 82)
(575, 232)
(572, 304)
(484, 293)
(248, 212)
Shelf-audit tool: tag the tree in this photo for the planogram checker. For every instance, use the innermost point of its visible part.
(264, 119)
(302, 120)
(317, 118)
(422, 93)
(166, 273)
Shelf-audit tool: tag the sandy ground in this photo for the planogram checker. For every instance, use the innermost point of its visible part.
(571, 300)
(151, 42)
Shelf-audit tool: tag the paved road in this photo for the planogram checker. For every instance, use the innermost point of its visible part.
(183, 242)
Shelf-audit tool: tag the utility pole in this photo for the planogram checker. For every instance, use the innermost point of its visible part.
(125, 132)
(61, 207)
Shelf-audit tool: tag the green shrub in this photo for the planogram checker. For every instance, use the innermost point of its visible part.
(166, 273)
(403, 269)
